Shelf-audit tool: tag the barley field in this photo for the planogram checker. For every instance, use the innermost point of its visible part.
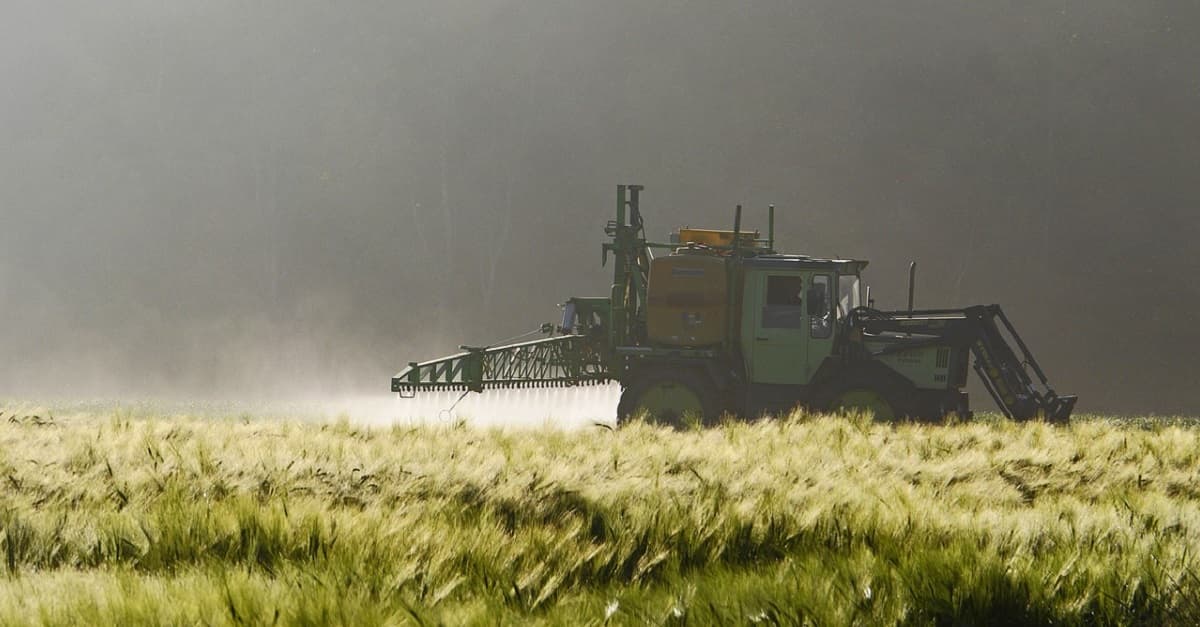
(127, 517)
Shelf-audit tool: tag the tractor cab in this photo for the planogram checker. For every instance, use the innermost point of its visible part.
(790, 307)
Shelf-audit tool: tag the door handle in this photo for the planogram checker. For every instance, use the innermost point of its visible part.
(762, 339)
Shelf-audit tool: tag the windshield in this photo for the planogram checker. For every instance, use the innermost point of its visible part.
(849, 293)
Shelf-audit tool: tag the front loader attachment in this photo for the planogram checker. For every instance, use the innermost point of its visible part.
(1011, 375)
(1006, 376)
(550, 362)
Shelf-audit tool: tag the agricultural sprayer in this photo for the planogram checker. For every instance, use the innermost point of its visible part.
(720, 322)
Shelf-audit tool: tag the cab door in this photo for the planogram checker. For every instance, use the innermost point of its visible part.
(775, 327)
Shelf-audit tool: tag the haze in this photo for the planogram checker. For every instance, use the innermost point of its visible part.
(232, 199)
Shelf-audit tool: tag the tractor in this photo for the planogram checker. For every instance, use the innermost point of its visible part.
(718, 323)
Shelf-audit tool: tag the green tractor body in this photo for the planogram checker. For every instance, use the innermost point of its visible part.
(719, 322)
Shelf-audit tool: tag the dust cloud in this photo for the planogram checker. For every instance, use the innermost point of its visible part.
(294, 199)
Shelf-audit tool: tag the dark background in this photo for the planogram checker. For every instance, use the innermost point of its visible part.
(229, 199)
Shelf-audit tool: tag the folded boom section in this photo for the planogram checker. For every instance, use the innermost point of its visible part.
(555, 361)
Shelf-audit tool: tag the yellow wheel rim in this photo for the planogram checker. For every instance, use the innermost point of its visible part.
(864, 400)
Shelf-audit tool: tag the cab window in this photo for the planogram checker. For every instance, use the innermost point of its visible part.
(849, 293)
(784, 303)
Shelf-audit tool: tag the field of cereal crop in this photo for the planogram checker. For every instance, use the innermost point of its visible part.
(109, 516)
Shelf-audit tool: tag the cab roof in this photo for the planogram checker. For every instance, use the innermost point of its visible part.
(804, 262)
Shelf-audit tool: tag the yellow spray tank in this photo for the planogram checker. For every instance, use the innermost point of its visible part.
(686, 297)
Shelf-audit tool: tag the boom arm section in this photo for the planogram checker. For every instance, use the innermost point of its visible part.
(1012, 376)
(554, 361)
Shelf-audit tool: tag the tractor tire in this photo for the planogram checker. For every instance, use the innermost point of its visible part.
(671, 398)
(885, 398)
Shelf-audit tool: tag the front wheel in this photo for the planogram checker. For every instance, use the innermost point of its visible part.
(863, 400)
(876, 395)
(670, 397)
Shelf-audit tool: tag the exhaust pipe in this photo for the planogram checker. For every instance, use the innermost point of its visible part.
(912, 283)
(737, 228)
(771, 227)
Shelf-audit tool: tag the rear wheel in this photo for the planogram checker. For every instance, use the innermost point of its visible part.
(670, 397)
